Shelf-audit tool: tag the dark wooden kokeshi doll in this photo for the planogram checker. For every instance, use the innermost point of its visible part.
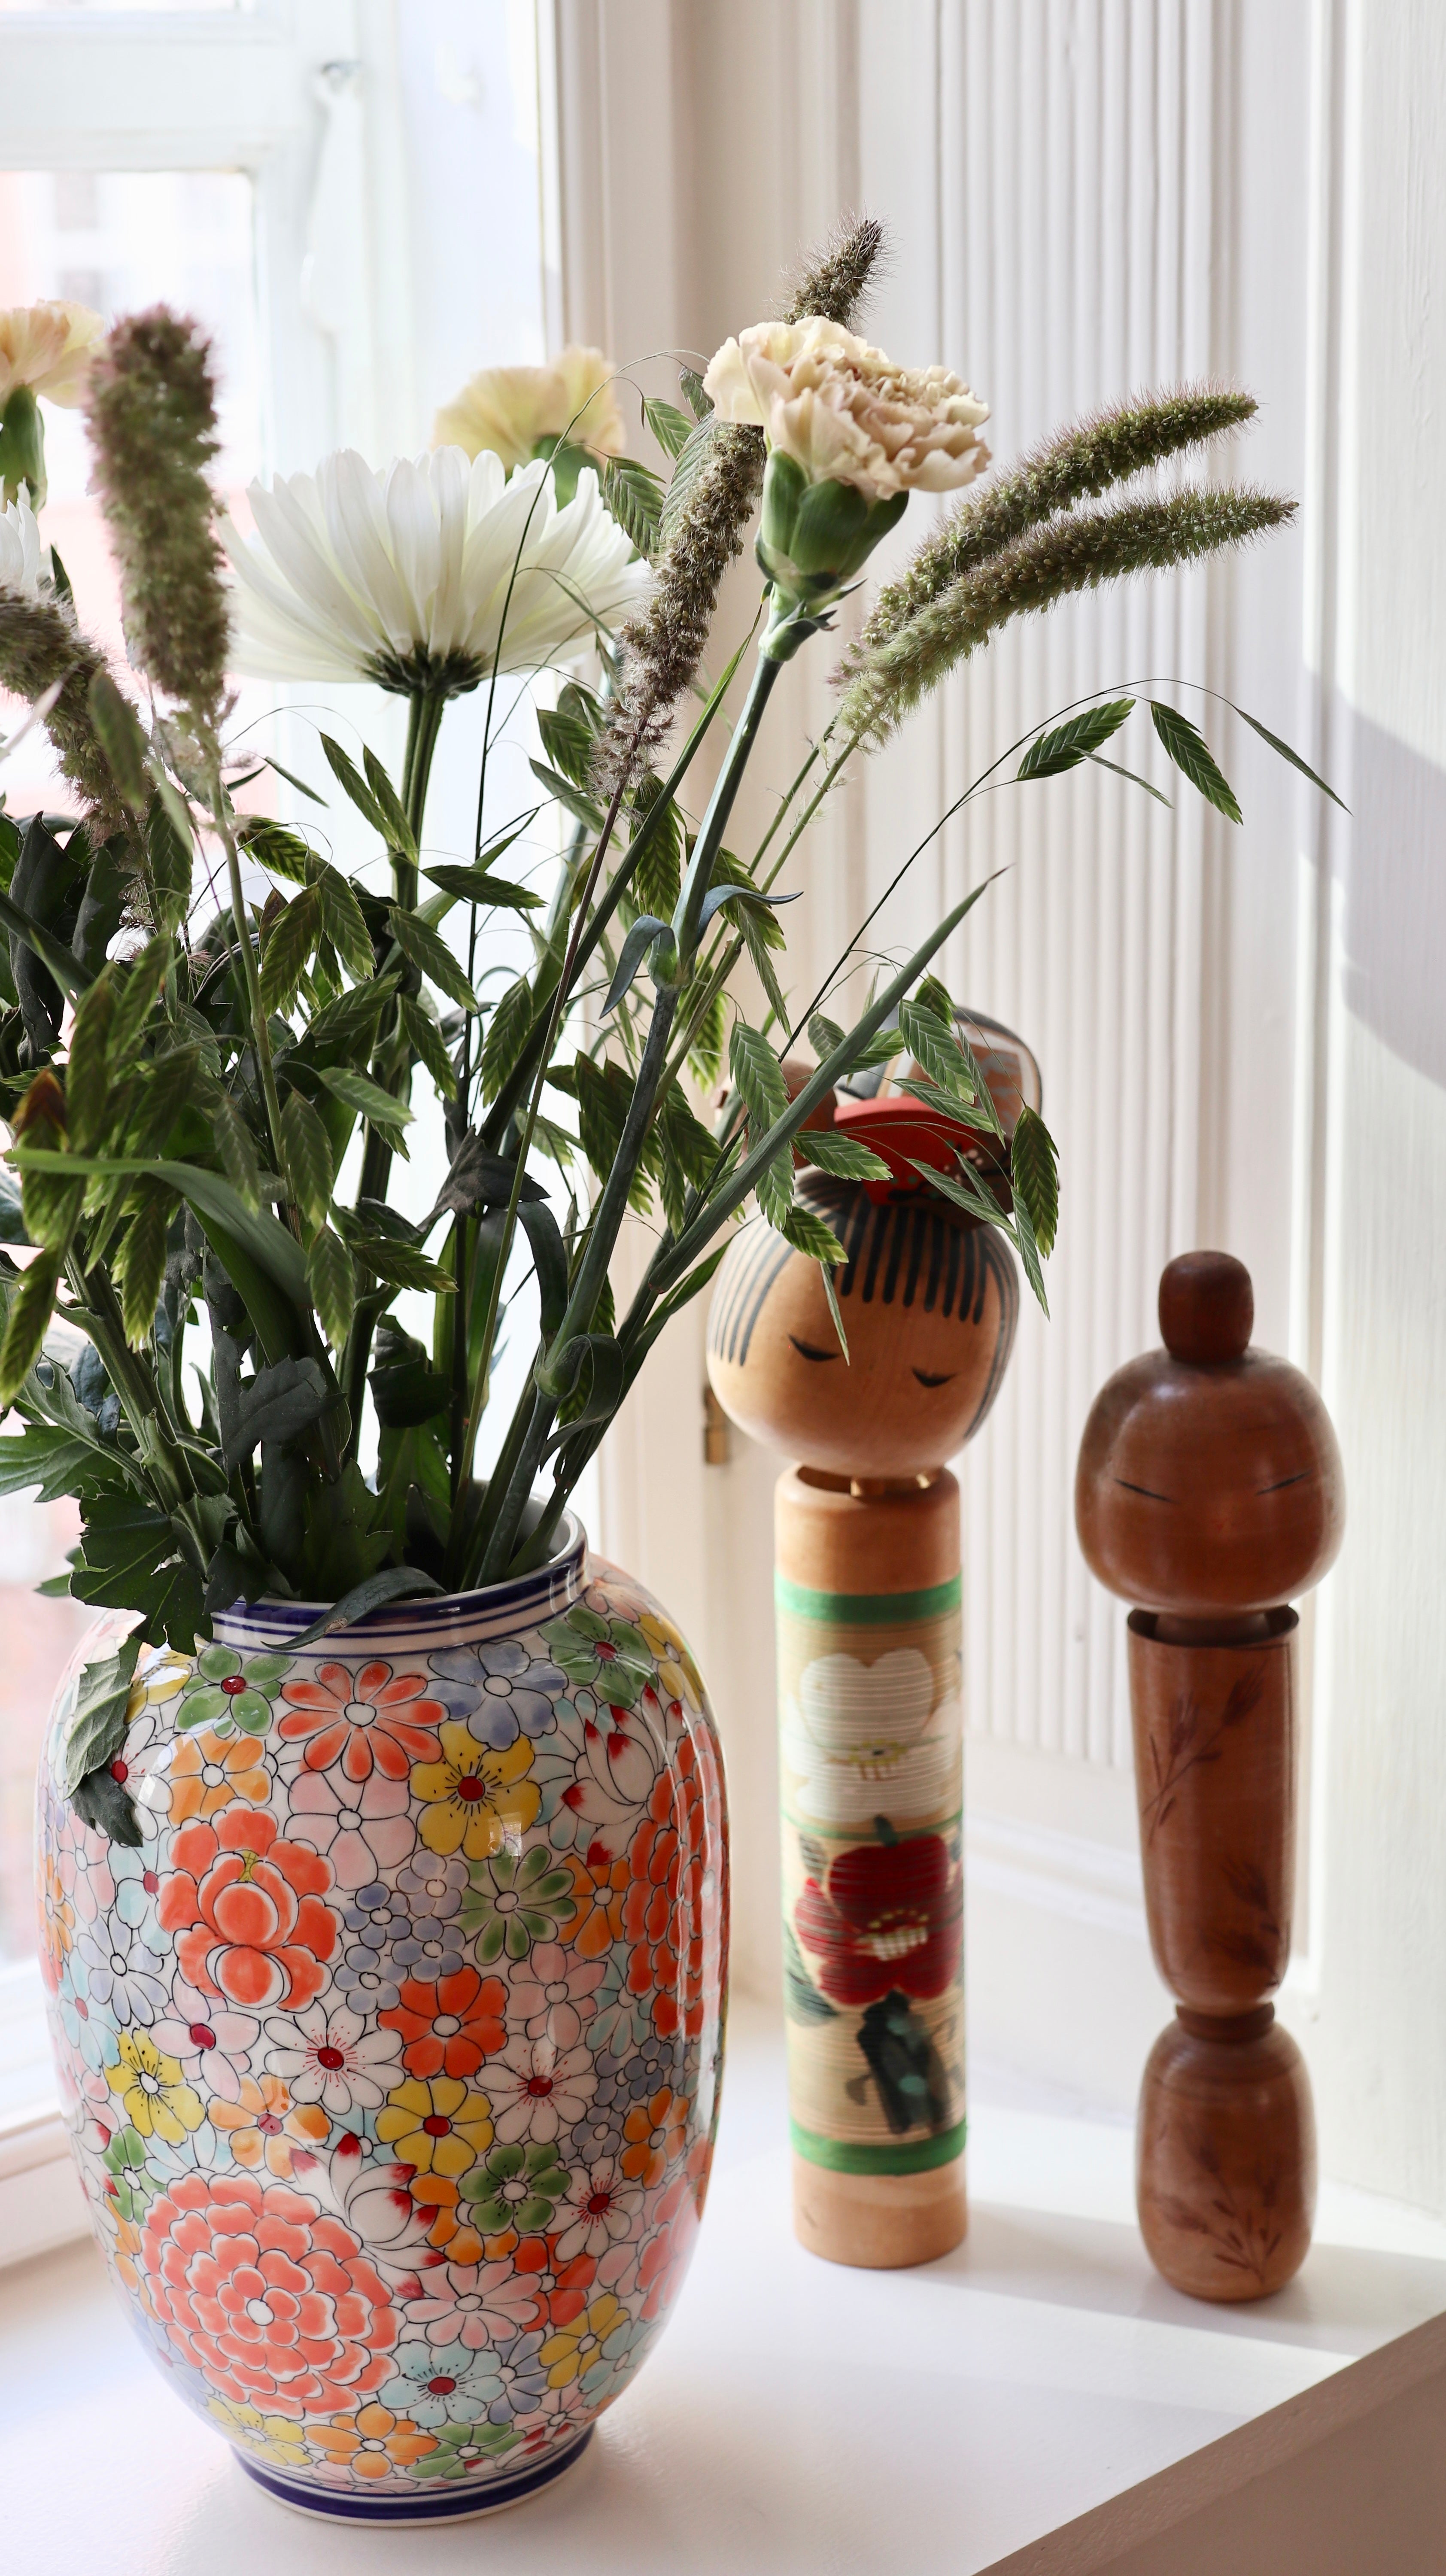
(868, 1611)
(1210, 1490)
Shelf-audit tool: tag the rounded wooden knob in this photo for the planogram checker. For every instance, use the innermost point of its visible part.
(1207, 1308)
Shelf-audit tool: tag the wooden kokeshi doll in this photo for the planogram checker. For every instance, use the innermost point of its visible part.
(868, 1595)
(1210, 1490)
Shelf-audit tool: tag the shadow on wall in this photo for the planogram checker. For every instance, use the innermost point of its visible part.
(1395, 927)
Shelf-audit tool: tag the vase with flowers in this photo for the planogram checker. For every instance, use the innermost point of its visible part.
(383, 1840)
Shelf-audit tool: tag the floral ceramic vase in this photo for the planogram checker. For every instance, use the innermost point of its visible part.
(391, 2053)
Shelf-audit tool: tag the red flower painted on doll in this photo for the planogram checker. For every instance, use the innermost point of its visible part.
(890, 1921)
(248, 1910)
(275, 2302)
(671, 1894)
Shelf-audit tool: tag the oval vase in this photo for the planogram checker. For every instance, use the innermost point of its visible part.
(390, 2055)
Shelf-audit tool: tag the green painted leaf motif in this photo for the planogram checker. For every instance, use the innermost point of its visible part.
(1194, 759)
(203, 1708)
(428, 951)
(307, 1148)
(290, 944)
(1034, 1175)
(97, 1729)
(801, 1998)
(1066, 745)
(332, 1281)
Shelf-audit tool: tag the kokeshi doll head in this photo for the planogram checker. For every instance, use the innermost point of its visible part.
(929, 1301)
(1209, 1480)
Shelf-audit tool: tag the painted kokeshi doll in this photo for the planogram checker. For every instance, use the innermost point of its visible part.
(868, 1613)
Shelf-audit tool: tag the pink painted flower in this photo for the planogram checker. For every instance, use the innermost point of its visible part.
(537, 2089)
(363, 1829)
(554, 1996)
(474, 2304)
(273, 2302)
(327, 2055)
(602, 2210)
(212, 2043)
(370, 1719)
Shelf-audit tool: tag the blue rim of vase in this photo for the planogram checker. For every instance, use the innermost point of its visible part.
(498, 1609)
(461, 2502)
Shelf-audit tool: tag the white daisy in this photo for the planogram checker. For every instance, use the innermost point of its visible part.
(25, 564)
(410, 576)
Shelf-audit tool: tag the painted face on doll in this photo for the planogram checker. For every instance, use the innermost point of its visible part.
(1209, 1478)
(929, 1302)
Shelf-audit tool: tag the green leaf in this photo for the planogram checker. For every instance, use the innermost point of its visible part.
(343, 923)
(603, 1094)
(87, 1070)
(332, 1282)
(429, 952)
(348, 1025)
(835, 1312)
(130, 1559)
(573, 800)
(1193, 757)
(774, 1187)
(292, 780)
(933, 1044)
(121, 739)
(135, 1003)
(699, 403)
(670, 427)
(394, 1583)
(141, 1264)
(1034, 1176)
(238, 1153)
(54, 1463)
(1076, 740)
(107, 1807)
(508, 1031)
(1134, 778)
(1286, 753)
(1029, 1252)
(288, 948)
(759, 1077)
(824, 1036)
(475, 885)
(367, 1098)
(399, 833)
(801, 1998)
(427, 1043)
(279, 1404)
(307, 1149)
(808, 1233)
(284, 853)
(658, 839)
(847, 1157)
(634, 495)
(29, 1310)
(97, 1730)
(569, 730)
(350, 778)
(696, 454)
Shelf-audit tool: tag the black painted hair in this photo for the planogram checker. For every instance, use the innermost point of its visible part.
(917, 1249)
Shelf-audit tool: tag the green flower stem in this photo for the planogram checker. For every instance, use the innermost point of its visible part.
(392, 1064)
(250, 970)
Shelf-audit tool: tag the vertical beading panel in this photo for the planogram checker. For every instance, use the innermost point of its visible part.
(1076, 157)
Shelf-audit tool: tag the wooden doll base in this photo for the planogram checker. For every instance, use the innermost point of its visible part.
(1225, 2156)
(879, 2222)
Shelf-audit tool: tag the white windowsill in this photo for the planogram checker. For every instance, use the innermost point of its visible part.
(800, 2417)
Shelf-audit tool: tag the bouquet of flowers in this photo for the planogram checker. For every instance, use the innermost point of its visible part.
(185, 1070)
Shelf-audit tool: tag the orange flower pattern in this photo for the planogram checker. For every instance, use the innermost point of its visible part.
(403, 2171)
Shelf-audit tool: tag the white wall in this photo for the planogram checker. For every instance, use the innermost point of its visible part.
(1240, 1030)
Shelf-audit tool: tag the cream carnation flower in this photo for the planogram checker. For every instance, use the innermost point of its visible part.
(508, 409)
(845, 413)
(25, 566)
(47, 347)
(402, 576)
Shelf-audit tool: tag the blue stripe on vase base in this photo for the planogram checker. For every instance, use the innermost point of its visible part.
(464, 2502)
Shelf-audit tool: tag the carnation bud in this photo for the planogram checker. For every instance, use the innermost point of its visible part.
(22, 448)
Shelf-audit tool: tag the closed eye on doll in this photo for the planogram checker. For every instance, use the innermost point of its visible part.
(806, 1350)
(926, 1380)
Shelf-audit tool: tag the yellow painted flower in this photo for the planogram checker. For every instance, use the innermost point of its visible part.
(677, 1671)
(575, 2347)
(206, 1774)
(154, 2094)
(271, 2435)
(265, 2126)
(442, 2127)
(476, 1799)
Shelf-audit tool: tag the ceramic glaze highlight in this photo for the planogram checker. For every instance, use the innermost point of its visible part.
(391, 2057)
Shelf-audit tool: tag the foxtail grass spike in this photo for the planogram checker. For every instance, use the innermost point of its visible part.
(40, 643)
